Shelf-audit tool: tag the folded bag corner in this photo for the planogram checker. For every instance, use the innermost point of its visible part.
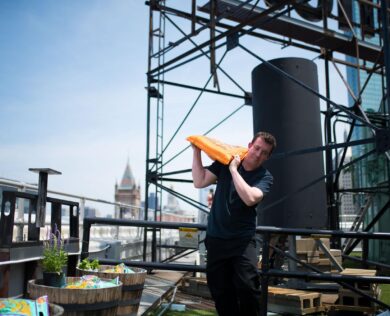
(216, 149)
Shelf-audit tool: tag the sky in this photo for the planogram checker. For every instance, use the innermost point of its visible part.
(72, 92)
(73, 98)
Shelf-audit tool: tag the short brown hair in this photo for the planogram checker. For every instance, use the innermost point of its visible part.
(268, 138)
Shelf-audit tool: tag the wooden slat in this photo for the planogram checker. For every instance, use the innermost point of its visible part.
(283, 300)
(362, 272)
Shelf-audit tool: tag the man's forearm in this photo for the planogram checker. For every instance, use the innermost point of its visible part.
(249, 195)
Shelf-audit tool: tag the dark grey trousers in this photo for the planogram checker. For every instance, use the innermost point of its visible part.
(232, 276)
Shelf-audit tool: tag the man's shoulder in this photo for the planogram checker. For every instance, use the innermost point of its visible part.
(264, 172)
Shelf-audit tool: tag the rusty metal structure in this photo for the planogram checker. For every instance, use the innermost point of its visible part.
(186, 37)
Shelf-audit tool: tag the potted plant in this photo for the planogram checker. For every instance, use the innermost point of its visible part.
(89, 265)
(54, 260)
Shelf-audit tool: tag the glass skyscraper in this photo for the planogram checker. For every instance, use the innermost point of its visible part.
(372, 172)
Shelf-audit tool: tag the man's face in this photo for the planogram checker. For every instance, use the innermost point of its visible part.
(259, 151)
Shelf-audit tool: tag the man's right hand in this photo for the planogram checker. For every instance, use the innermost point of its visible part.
(233, 166)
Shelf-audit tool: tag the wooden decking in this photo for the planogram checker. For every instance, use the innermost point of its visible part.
(194, 294)
(158, 286)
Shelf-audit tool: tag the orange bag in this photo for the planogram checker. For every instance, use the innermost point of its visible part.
(217, 150)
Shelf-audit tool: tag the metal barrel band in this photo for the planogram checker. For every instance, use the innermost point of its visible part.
(132, 287)
(89, 307)
(135, 301)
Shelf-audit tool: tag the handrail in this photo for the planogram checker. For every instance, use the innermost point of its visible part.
(321, 233)
(9, 262)
(3, 263)
(141, 223)
(315, 233)
(34, 187)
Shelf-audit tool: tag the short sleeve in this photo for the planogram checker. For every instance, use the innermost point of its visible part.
(265, 183)
(215, 168)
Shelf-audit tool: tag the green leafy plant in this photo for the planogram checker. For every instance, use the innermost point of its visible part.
(54, 255)
(89, 265)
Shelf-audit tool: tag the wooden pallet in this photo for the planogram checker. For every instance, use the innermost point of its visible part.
(306, 245)
(311, 257)
(361, 272)
(282, 300)
(309, 244)
(350, 298)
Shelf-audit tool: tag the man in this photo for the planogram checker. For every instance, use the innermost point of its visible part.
(230, 241)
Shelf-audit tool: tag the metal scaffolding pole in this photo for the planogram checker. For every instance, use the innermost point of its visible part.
(245, 20)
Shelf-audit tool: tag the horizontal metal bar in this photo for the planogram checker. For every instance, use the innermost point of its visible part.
(171, 246)
(271, 272)
(319, 233)
(315, 233)
(322, 148)
(156, 265)
(377, 264)
(327, 277)
(141, 223)
(197, 88)
(174, 180)
(18, 261)
(366, 190)
(175, 172)
(22, 185)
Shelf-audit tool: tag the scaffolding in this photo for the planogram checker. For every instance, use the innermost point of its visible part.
(201, 43)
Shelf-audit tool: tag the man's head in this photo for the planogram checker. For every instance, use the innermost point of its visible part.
(260, 149)
(268, 138)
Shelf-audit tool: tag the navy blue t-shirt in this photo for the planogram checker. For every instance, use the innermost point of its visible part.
(230, 217)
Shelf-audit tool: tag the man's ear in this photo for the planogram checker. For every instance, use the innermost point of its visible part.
(250, 145)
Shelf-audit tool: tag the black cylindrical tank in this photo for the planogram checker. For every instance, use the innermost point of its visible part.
(292, 115)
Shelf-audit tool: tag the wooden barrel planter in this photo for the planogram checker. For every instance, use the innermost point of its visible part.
(79, 302)
(133, 285)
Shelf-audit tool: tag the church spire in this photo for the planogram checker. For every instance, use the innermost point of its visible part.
(128, 181)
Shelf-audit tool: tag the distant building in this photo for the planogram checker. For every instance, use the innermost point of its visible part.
(347, 206)
(372, 172)
(89, 211)
(128, 192)
(152, 200)
(172, 211)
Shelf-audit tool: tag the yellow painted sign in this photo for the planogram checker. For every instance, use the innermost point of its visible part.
(188, 237)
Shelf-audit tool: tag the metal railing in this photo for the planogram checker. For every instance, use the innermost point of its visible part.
(82, 198)
(265, 272)
(21, 222)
